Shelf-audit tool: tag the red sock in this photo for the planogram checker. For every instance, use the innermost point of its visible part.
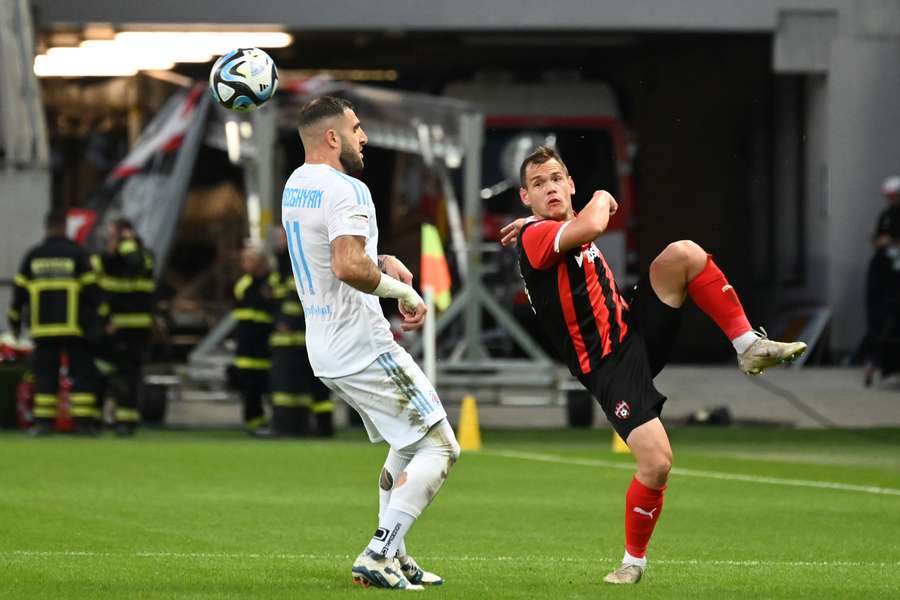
(642, 508)
(714, 295)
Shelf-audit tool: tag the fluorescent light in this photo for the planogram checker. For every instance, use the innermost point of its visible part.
(89, 56)
(133, 51)
(216, 42)
(46, 66)
(174, 52)
(75, 62)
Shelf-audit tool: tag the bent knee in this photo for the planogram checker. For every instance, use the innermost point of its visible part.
(657, 469)
(681, 251)
(442, 438)
(661, 466)
(681, 258)
(664, 467)
(385, 480)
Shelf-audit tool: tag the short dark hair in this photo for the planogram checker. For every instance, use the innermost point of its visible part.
(320, 108)
(55, 219)
(539, 156)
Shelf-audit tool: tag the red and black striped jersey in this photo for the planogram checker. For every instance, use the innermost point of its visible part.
(573, 295)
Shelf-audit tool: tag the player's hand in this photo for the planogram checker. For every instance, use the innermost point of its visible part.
(392, 266)
(509, 233)
(604, 196)
(412, 319)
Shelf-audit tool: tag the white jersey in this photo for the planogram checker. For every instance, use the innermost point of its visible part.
(345, 328)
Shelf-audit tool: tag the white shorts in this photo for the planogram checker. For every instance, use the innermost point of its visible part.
(396, 401)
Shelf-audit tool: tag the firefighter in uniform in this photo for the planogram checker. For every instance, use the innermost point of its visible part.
(125, 275)
(296, 391)
(254, 301)
(58, 288)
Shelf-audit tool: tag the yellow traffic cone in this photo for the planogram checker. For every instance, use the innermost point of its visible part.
(468, 432)
(618, 444)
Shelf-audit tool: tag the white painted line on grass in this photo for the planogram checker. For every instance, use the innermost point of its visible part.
(463, 558)
(609, 464)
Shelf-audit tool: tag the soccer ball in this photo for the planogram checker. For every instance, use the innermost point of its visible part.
(243, 79)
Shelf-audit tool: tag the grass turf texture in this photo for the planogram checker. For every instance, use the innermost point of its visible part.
(218, 515)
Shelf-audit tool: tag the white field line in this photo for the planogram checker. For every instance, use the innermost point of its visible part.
(807, 459)
(608, 464)
(486, 559)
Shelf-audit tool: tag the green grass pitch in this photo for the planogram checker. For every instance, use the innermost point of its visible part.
(750, 513)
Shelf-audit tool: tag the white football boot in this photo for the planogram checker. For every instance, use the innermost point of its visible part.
(416, 574)
(624, 574)
(373, 570)
(765, 353)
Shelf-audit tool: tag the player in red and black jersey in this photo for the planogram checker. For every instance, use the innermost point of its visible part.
(616, 346)
(575, 294)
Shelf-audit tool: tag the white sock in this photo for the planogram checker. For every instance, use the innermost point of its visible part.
(744, 341)
(424, 465)
(391, 530)
(634, 560)
(394, 465)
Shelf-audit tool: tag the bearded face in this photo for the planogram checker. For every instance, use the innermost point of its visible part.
(351, 155)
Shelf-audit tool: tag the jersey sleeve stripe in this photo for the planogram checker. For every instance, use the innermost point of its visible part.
(356, 189)
(559, 236)
(362, 193)
(354, 183)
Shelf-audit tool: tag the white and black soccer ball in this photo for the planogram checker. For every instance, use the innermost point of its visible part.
(243, 79)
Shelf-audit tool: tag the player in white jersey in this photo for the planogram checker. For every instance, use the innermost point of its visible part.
(332, 235)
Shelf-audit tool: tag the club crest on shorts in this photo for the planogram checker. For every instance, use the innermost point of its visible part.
(623, 410)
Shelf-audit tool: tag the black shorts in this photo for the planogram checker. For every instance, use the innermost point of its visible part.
(623, 384)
